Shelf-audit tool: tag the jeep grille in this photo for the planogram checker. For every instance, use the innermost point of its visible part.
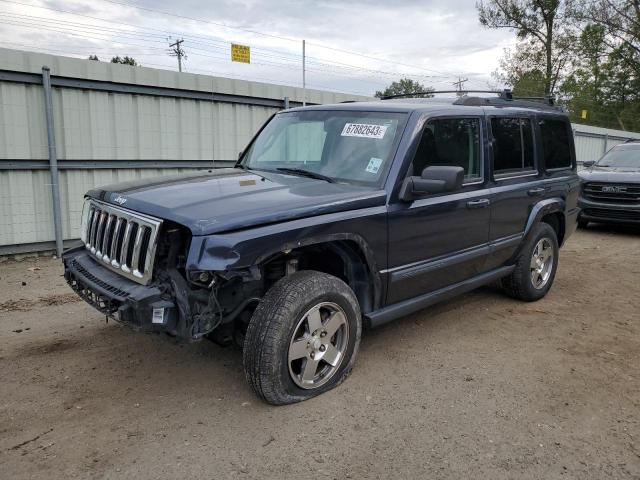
(122, 240)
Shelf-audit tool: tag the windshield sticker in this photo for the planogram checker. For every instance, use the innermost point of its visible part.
(364, 130)
(374, 165)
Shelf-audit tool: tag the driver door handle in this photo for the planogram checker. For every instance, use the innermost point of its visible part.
(482, 203)
(536, 192)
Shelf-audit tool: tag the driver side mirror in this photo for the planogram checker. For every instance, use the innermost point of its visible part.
(588, 163)
(436, 179)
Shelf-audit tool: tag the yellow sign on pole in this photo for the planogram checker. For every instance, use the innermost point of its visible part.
(240, 53)
(584, 114)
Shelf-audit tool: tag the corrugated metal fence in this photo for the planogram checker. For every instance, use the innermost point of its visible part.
(115, 122)
(593, 142)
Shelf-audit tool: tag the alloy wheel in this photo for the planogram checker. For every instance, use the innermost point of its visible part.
(318, 344)
(542, 263)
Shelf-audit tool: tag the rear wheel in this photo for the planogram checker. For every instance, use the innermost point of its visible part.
(303, 338)
(535, 267)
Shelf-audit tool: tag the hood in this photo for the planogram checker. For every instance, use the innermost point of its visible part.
(613, 175)
(229, 199)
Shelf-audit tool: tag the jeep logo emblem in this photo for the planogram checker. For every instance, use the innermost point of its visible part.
(120, 200)
(613, 189)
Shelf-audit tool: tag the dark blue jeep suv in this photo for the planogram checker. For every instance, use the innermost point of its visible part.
(335, 217)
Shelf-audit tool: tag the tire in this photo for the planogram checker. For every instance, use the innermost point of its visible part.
(523, 283)
(302, 339)
(582, 223)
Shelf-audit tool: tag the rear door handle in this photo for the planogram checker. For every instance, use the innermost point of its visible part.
(536, 192)
(482, 203)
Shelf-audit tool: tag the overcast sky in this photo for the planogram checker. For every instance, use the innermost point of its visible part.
(432, 41)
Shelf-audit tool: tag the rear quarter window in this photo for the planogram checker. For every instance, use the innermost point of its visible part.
(556, 146)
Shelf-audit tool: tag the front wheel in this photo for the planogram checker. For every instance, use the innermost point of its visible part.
(535, 267)
(303, 338)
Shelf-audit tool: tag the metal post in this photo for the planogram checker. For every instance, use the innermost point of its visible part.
(304, 79)
(286, 103)
(606, 144)
(53, 160)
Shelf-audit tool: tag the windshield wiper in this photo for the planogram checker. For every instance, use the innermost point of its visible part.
(306, 173)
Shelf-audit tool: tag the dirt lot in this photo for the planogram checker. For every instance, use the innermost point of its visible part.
(483, 386)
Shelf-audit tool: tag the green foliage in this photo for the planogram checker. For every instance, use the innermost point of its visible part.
(588, 55)
(523, 70)
(620, 21)
(542, 29)
(93, 57)
(403, 86)
(125, 61)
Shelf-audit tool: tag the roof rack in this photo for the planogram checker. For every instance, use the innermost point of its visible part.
(432, 92)
(504, 98)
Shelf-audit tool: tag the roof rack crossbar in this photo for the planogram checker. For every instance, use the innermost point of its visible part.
(432, 92)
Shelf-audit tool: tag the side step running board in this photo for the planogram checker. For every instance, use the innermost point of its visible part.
(406, 307)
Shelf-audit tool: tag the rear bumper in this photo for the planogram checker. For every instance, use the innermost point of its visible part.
(118, 297)
(594, 211)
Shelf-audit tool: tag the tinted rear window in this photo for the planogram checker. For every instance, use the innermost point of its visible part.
(513, 145)
(556, 149)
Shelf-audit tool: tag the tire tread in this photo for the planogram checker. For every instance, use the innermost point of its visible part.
(273, 316)
(518, 284)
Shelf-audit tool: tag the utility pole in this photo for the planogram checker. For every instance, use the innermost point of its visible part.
(304, 79)
(178, 52)
(459, 85)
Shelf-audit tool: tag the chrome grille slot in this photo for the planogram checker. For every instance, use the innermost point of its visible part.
(613, 193)
(124, 240)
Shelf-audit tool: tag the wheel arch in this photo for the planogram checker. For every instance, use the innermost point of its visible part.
(550, 211)
(345, 255)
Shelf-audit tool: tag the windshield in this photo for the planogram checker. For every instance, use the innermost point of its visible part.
(623, 156)
(345, 146)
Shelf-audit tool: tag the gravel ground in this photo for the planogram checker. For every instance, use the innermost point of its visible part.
(483, 386)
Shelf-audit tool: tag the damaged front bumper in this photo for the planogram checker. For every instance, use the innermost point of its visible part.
(144, 308)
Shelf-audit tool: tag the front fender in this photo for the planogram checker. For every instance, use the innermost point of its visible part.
(245, 249)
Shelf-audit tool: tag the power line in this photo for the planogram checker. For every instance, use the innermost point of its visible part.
(256, 32)
(185, 17)
(358, 70)
(344, 70)
(315, 64)
(444, 75)
(162, 51)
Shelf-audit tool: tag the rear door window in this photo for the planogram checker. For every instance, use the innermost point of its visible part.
(512, 145)
(556, 147)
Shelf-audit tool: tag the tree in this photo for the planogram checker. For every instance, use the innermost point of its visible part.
(540, 24)
(585, 53)
(523, 70)
(125, 61)
(93, 57)
(403, 86)
(620, 20)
